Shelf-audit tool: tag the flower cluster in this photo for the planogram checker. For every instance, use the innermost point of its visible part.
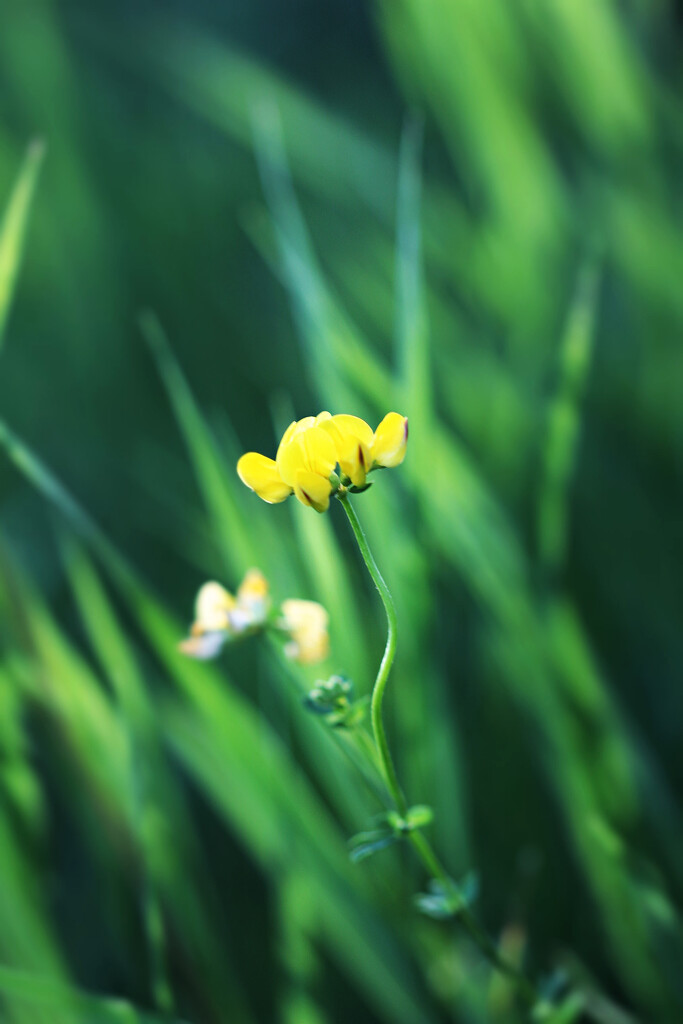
(221, 616)
(314, 448)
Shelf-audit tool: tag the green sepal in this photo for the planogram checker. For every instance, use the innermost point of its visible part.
(352, 716)
(314, 707)
(332, 698)
(329, 695)
(359, 490)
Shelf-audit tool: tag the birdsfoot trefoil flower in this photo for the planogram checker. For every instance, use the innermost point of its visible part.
(311, 451)
(220, 616)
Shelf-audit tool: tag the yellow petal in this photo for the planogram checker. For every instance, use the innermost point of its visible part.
(303, 424)
(390, 441)
(355, 427)
(295, 427)
(202, 647)
(261, 475)
(212, 609)
(299, 614)
(288, 434)
(338, 438)
(306, 622)
(311, 450)
(308, 649)
(254, 587)
(356, 464)
(252, 601)
(352, 438)
(290, 459)
(313, 490)
(321, 455)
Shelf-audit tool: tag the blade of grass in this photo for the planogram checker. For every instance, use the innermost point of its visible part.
(157, 811)
(13, 229)
(429, 716)
(559, 450)
(238, 546)
(411, 330)
(246, 537)
(137, 718)
(34, 990)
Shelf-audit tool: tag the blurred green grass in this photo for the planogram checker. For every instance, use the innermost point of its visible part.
(473, 217)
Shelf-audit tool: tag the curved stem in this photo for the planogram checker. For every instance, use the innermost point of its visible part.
(419, 842)
(467, 919)
(386, 762)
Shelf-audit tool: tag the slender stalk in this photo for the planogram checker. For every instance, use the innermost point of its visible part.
(467, 919)
(419, 842)
(386, 762)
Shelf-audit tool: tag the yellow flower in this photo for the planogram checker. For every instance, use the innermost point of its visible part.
(306, 622)
(352, 438)
(312, 448)
(359, 451)
(262, 475)
(390, 441)
(220, 615)
(306, 459)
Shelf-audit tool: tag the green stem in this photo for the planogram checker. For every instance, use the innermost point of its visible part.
(419, 842)
(359, 747)
(386, 762)
(467, 919)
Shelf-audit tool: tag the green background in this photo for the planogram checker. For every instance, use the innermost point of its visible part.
(465, 210)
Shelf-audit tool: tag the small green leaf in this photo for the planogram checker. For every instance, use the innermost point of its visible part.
(552, 986)
(419, 816)
(568, 1011)
(416, 817)
(364, 844)
(433, 905)
(445, 901)
(469, 888)
(356, 713)
(364, 850)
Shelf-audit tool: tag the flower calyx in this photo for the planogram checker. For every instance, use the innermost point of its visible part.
(333, 699)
